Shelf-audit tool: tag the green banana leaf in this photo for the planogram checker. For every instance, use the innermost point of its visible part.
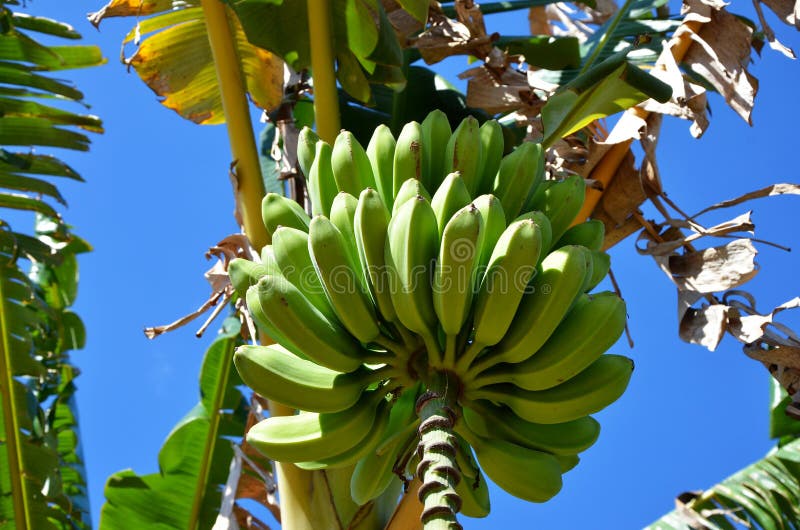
(608, 88)
(781, 426)
(366, 53)
(174, 48)
(42, 476)
(194, 460)
(764, 495)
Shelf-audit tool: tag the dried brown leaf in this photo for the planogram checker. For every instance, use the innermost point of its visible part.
(445, 37)
(402, 22)
(495, 95)
(625, 193)
(787, 10)
(538, 21)
(742, 223)
(704, 326)
(615, 232)
(713, 269)
(720, 54)
(769, 191)
(769, 34)
(129, 8)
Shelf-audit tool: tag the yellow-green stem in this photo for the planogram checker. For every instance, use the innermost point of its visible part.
(15, 470)
(250, 184)
(326, 98)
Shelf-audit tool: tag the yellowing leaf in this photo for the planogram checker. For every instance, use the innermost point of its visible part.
(130, 8)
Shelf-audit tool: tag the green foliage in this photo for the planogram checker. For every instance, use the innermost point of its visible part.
(42, 482)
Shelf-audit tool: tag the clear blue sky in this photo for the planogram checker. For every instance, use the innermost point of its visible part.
(157, 196)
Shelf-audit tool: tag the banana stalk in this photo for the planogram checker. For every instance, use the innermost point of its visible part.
(437, 448)
(326, 99)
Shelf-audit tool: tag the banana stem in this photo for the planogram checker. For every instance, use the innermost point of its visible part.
(434, 352)
(450, 351)
(437, 448)
(326, 98)
(249, 182)
(393, 346)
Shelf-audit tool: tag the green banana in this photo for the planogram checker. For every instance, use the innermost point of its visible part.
(408, 156)
(410, 189)
(544, 225)
(371, 226)
(494, 224)
(436, 134)
(472, 488)
(568, 462)
(352, 170)
(463, 153)
(268, 260)
(343, 213)
(526, 473)
(306, 149)
(321, 184)
(560, 201)
(375, 471)
(282, 307)
(311, 436)
(276, 373)
(589, 234)
(290, 247)
(380, 152)
(592, 326)
(569, 438)
(492, 147)
(592, 390)
(245, 273)
(511, 266)
(550, 296)
(453, 278)
(341, 280)
(601, 264)
(411, 247)
(449, 198)
(519, 174)
(351, 456)
(277, 210)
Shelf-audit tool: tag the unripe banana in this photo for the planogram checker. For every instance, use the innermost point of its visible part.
(408, 157)
(290, 247)
(453, 278)
(491, 421)
(451, 196)
(525, 473)
(544, 225)
(590, 391)
(472, 488)
(343, 213)
(601, 264)
(494, 224)
(306, 149)
(436, 134)
(268, 260)
(351, 166)
(561, 202)
(511, 266)
(568, 462)
(464, 153)
(492, 147)
(549, 298)
(277, 210)
(321, 184)
(277, 374)
(315, 436)
(357, 452)
(245, 273)
(411, 248)
(380, 152)
(371, 226)
(342, 283)
(592, 326)
(375, 471)
(410, 189)
(284, 308)
(589, 234)
(519, 174)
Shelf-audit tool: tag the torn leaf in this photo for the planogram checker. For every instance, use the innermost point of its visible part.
(714, 269)
(769, 191)
(704, 326)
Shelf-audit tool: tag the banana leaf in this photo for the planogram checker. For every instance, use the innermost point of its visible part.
(765, 495)
(195, 458)
(42, 476)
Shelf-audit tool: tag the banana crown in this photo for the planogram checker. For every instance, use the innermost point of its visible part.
(430, 257)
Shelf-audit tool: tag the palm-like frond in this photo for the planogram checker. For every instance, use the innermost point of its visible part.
(42, 482)
(763, 495)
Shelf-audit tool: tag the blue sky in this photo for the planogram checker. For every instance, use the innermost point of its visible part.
(158, 195)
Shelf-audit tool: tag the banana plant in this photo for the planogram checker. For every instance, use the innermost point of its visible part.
(42, 477)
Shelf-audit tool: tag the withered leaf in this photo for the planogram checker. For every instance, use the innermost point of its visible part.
(769, 191)
(720, 54)
(742, 223)
(713, 269)
(494, 95)
(129, 8)
(445, 37)
(704, 326)
(625, 193)
(769, 34)
(787, 10)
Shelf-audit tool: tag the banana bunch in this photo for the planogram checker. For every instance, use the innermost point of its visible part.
(432, 257)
